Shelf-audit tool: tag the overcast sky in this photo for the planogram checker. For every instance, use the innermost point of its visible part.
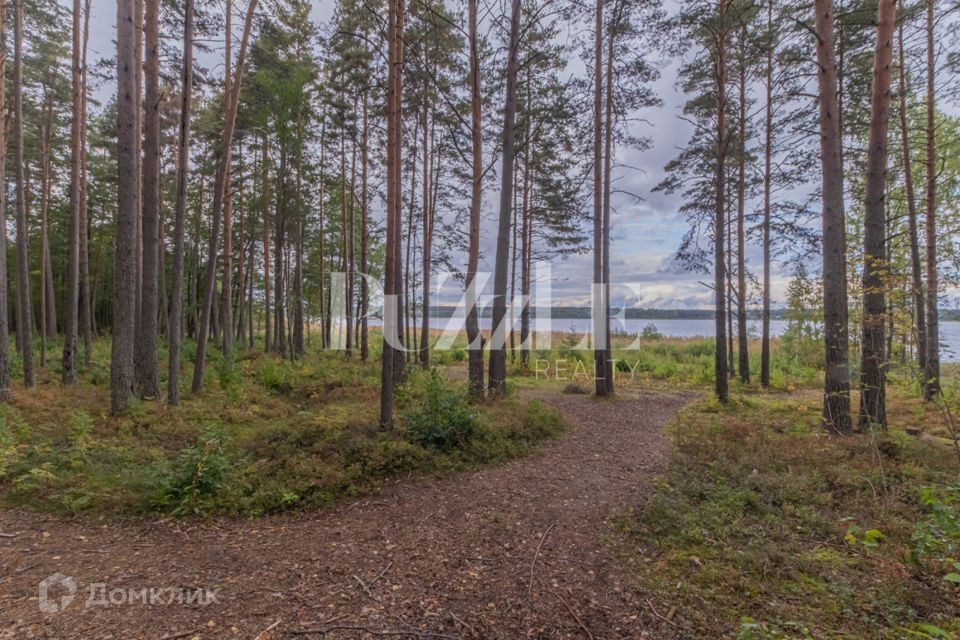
(645, 234)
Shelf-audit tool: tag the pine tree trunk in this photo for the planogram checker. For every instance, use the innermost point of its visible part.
(599, 304)
(138, 164)
(4, 310)
(719, 224)
(394, 137)
(607, 191)
(932, 377)
(86, 295)
(180, 216)
(497, 383)
(226, 286)
(767, 178)
(836, 396)
(24, 314)
(298, 343)
(124, 269)
(916, 270)
(873, 360)
(426, 247)
(147, 374)
(474, 340)
(69, 359)
(364, 291)
(265, 171)
(742, 348)
(219, 190)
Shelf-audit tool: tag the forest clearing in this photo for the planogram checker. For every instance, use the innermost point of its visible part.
(459, 319)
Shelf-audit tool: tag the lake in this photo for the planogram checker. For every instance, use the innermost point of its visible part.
(679, 328)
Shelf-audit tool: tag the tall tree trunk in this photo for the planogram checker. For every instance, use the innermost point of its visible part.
(180, 216)
(298, 343)
(498, 355)
(836, 392)
(219, 189)
(932, 377)
(767, 184)
(394, 198)
(138, 163)
(364, 291)
(24, 314)
(427, 246)
(474, 340)
(599, 304)
(525, 245)
(124, 262)
(147, 383)
(719, 224)
(226, 299)
(873, 361)
(916, 270)
(607, 192)
(742, 348)
(86, 296)
(4, 311)
(399, 365)
(265, 171)
(69, 360)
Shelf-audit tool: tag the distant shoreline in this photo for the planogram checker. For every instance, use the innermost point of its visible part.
(584, 313)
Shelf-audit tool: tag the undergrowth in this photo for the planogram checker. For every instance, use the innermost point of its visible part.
(266, 435)
(767, 527)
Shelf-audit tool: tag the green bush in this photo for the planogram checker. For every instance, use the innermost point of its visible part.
(444, 421)
(198, 475)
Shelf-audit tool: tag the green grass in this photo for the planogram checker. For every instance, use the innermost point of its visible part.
(766, 526)
(265, 435)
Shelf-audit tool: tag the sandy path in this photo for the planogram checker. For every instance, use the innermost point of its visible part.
(439, 557)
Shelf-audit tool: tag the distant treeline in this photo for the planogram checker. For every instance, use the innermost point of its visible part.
(583, 313)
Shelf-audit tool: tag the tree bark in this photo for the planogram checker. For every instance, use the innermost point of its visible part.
(86, 295)
(4, 311)
(742, 347)
(394, 137)
(599, 303)
(219, 189)
(147, 374)
(69, 358)
(497, 383)
(932, 377)
(226, 286)
(364, 291)
(174, 323)
(124, 269)
(474, 340)
(265, 171)
(873, 361)
(916, 270)
(719, 224)
(836, 396)
(24, 314)
(767, 179)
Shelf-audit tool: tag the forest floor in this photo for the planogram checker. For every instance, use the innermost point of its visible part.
(523, 549)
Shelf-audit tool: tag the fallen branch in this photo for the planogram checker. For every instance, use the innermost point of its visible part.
(263, 634)
(372, 632)
(655, 613)
(574, 614)
(182, 634)
(8, 535)
(536, 555)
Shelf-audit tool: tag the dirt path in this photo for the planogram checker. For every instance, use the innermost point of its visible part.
(515, 551)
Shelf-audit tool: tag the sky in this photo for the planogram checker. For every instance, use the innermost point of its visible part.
(645, 234)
